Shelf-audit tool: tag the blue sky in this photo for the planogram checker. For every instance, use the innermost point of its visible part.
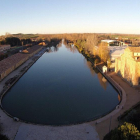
(69, 16)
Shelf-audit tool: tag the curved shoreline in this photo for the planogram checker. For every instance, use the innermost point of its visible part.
(4, 91)
(120, 107)
(101, 124)
(97, 118)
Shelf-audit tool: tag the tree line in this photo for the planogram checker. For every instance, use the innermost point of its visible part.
(85, 42)
(14, 41)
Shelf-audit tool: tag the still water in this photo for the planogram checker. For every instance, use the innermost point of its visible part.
(60, 88)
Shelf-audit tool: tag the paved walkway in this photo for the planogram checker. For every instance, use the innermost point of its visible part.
(132, 97)
(75, 132)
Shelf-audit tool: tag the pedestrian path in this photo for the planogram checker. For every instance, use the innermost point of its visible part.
(74, 132)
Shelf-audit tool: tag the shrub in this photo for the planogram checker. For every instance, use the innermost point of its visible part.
(97, 60)
(130, 116)
(3, 137)
(134, 118)
(127, 131)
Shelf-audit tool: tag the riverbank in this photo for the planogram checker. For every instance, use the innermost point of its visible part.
(9, 126)
(86, 131)
(130, 97)
(13, 62)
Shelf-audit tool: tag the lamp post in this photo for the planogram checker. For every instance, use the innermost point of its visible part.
(110, 123)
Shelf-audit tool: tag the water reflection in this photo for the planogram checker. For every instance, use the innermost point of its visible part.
(119, 97)
(52, 49)
(90, 66)
(103, 82)
(60, 88)
(70, 47)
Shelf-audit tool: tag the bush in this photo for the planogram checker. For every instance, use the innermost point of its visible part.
(134, 118)
(3, 137)
(130, 116)
(127, 131)
(97, 60)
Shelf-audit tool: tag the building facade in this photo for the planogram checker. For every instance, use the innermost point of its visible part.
(128, 65)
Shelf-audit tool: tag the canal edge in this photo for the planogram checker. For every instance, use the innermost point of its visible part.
(2, 93)
(97, 120)
(120, 105)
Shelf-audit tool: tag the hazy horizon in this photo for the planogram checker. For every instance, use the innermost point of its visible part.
(81, 16)
(67, 33)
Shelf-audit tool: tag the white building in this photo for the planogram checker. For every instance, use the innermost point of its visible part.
(104, 69)
(114, 42)
(115, 47)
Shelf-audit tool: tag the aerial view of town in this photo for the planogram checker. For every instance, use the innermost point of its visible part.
(69, 70)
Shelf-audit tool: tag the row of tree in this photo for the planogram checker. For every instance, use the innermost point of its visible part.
(87, 43)
(14, 41)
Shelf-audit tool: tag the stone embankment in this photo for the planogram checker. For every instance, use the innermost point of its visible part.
(130, 97)
(110, 80)
(9, 126)
(10, 82)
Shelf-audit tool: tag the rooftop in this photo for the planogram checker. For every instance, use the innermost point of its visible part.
(14, 59)
(11, 61)
(108, 41)
(116, 53)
